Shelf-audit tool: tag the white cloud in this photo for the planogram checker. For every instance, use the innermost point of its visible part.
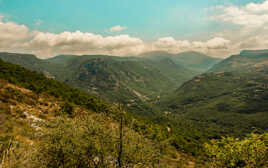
(83, 43)
(250, 21)
(174, 46)
(117, 28)
(18, 38)
(170, 44)
(12, 34)
(257, 7)
(217, 43)
(252, 14)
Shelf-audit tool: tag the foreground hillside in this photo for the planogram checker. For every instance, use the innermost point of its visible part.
(62, 127)
(230, 99)
(44, 128)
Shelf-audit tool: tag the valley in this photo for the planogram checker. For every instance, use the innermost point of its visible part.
(171, 103)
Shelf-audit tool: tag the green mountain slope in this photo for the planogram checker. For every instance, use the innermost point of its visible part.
(232, 102)
(124, 79)
(135, 82)
(245, 61)
(175, 72)
(195, 61)
(31, 62)
(107, 74)
(40, 84)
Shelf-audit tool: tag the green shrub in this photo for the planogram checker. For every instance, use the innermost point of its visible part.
(250, 152)
(86, 143)
(67, 108)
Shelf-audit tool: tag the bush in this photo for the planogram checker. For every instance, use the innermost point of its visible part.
(251, 152)
(86, 142)
(19, 154)
(67, 108)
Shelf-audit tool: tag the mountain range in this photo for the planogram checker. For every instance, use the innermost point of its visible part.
(175, 103)
(222, 97)
(195, 61)
(133, 81)
(230, 98)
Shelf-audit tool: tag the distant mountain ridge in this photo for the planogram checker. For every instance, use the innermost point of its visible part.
(254, 52)
(126, 79)
(246, 60)
(192, 60)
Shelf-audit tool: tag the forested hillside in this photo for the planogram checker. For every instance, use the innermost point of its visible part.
(127, 79)
(60, 126)
(230, 99)
(134, 82)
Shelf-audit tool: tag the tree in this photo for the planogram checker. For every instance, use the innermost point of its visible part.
(120, 152)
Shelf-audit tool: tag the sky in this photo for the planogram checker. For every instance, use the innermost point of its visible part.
(48, 28)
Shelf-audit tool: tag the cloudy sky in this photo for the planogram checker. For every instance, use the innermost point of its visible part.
(47, 28)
